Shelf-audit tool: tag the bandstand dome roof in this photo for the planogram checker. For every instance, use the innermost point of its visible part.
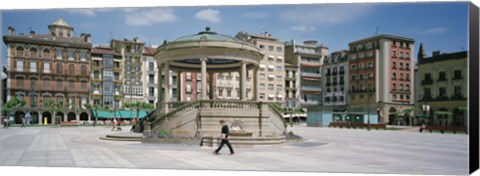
(206, 35)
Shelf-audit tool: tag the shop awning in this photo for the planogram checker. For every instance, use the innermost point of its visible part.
(271, 66)
(280, 57)
(271, 95)
(125, 114)
(279, 96)
(443, 113)
(262, 66)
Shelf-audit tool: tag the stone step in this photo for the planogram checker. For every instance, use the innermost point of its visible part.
(121, 139)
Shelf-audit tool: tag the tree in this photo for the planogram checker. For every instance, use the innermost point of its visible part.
(54, 107)
(13, 104)
(93, 110)
(421, 54)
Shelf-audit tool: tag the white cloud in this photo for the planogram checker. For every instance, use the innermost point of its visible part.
(85, 12)
(326, 15)
(303, 28)
(256, 15)
(209, 15)
(435, 30)
(145, 17)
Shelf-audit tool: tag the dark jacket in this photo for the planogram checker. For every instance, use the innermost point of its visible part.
(225, 131)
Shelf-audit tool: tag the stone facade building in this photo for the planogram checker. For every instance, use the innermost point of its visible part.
(44, 67)
(443, 86)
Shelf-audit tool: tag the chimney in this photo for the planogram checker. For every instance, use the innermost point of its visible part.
(82, 35)
(435, 53)
(11, 30)
(135, 39)
(88, 38)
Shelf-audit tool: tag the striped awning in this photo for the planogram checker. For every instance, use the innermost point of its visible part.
(126, 114)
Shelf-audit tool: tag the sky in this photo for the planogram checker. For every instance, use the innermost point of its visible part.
(439, 26)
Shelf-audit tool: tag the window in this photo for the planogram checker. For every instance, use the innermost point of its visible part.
(96, 75)
(407, 86)
(370, 75)
(71, 55)
(46, 67)
(59, 54)
(262, 86)
(279, 87)
(220, 92)
(262, 96)
(354, 77)
(401, 65)
(270, 48)
(19, 65)
(394, 76)
(401, 86)
(401, 54)
(60, 68)
(457, 91)
(83, 69)
(46, 53)
(394, 65)
(96, 63)
(279, 68)
(442, 91)
(457, 74)
(151, 91)
(353, 56)
(20, 52)
(394, 54)
(354, 67)
(59, 83)
(407, 66)
(261, 76)
(229, 93)
(150, 66)
(361, 77)
(394, 43)
(407, 54)
(71, 68)
(33, 52)
(261, 47)
(279, 77)
(442, 76)
(279, 49)
(71, 84)
(270, 86)
(370, 65)
(401, 76)
(394, 86)
(83, 55)
(151, 79)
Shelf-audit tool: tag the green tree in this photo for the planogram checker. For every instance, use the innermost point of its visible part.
(13, 104)
(93, 110)
(54, 107)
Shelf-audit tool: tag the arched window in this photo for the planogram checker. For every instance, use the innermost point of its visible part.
(46, 53)
(20, 52)
(83, 70)
(33, 52)
(71, 68)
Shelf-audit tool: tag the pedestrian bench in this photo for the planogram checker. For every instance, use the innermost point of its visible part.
(338, 124)
(442, 129)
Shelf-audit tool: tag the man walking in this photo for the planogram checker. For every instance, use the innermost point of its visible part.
(224, 137)
(114, 124)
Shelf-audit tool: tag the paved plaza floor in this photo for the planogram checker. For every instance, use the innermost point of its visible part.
(325, 150)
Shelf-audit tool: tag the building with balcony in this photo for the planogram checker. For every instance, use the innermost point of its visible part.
(150, 79)
(381, 78)
(309, 58)
(190, 86)
(292, 91)
(53, 66)
(106, 82)
(443, 86)
(132, 60)
(271, 74)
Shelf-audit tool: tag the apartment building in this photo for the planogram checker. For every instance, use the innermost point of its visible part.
(132, 60)
(443, 88)
(309, 57)
(381, 78)
(106, 82)
(53, 66)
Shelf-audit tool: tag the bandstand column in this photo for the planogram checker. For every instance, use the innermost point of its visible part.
(159, 86)
(179, 88)
(243, 83)
(210, 86)
(204, 77)
(167, 84)
(255, 86)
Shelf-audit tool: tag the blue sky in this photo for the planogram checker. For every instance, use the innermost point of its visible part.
(439, 26)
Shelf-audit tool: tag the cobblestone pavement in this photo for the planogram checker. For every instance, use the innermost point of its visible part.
(325, 150)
